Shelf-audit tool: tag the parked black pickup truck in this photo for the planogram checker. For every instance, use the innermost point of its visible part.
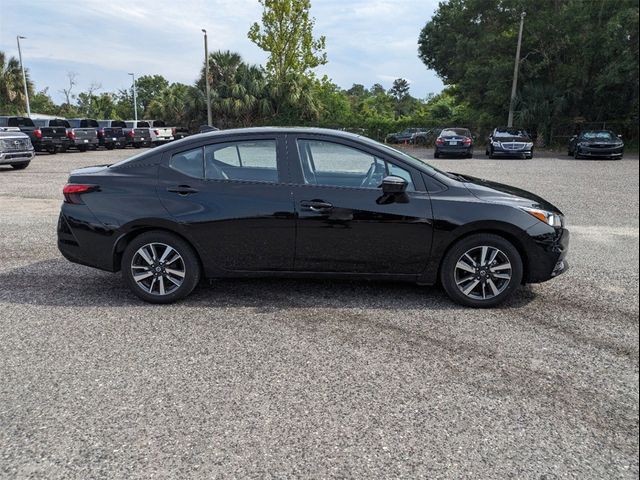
(111, 134)
(138, 133)
(83, 133)
(180, 132)
(43, 139)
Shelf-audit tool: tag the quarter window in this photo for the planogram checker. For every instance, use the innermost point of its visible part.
(333, 164)
(190, 162)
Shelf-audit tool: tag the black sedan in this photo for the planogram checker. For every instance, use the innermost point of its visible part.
(455, 142)
(596, 144)
(509, 142)
(305, 203)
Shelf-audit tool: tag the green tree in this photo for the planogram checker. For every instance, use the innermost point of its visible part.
(147, 88)
(286, 33)
(12, 99)
(564, 72)
(239, 93)
(41, 102)
(179, 105)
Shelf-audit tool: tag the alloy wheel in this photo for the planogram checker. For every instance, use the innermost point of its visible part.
(158, 268)
(483, 272)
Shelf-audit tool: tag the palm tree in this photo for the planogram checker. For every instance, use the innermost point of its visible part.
(12, 98)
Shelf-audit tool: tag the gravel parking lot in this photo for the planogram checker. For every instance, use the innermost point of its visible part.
(317, 379)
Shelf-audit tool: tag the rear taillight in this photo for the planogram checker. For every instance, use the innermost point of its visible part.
(439, 141)
(467, 141)
(38, 133)
(100, 132)
(156, 132)
(73, 191)
(173, 131)
(71, 134)
(132, 133)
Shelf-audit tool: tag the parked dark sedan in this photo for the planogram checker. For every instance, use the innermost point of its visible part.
(509, 142)
(305, 203)
(405, 136)
(596, 144)
(455, 142)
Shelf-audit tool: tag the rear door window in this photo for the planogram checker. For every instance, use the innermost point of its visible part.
(254, 161)
(88, 123)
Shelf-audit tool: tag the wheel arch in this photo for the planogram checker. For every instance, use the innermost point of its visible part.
(509, 234)
(133, 231)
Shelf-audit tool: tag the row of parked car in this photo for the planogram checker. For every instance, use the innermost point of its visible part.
(508, 142)
(61, 134)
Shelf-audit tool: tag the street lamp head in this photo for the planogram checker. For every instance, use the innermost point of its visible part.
(21, 37)
(204, 31)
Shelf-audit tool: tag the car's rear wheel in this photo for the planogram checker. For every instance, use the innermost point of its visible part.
(481, 271)
(160, 267)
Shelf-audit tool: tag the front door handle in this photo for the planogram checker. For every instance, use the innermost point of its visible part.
(317, 206)
(182, 190)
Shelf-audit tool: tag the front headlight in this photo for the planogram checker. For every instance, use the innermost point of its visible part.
(3, 145)
(550, 218)
(529, 145)
(496, 144)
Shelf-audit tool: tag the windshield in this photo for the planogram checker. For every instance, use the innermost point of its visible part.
(602, 135)
(511, 132)
(455, 132)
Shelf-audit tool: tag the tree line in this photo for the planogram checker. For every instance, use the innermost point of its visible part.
(579, 63)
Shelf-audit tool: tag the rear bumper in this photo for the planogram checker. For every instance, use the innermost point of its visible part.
(84, 142)
(454, 150)
(117, 141)
(7, 158)
(162, 139)
(47, 143)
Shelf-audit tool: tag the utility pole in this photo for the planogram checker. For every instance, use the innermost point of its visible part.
(24, 76)
(135, 100)
(206, 77)
(514, 85)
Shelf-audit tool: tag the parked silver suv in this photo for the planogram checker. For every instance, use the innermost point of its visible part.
(15, 149)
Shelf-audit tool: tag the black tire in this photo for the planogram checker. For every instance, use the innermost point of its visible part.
(110, 147)
(82, 148)
(19, 166)
(576, 154)
(491, 155)
(469, 155)
(52, 150)
(188, 263)
(456, 252)
(436, 154)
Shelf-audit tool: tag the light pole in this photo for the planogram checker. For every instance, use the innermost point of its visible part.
(135, 101)
(206, 77)
(24, 76)
(515, 74)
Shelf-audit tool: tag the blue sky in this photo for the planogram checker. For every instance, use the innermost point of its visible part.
(368, 41)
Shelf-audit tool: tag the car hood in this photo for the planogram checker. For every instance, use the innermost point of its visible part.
(505, 194)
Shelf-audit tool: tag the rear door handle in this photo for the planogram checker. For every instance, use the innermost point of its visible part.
(315, 206)
(182, 190)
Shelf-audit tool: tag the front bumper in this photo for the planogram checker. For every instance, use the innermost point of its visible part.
(546, 252)
(501, 152)
(7, 158)
(601, 152)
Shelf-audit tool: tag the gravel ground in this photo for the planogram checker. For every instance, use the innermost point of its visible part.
(279, 378)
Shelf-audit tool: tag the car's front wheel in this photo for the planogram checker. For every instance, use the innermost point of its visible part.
(160, 267)
(482, 270)
(20, 166)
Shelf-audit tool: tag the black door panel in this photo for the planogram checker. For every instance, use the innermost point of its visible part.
(346, 230)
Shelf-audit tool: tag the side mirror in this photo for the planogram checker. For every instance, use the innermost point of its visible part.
(393, 184)
(620, 136)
